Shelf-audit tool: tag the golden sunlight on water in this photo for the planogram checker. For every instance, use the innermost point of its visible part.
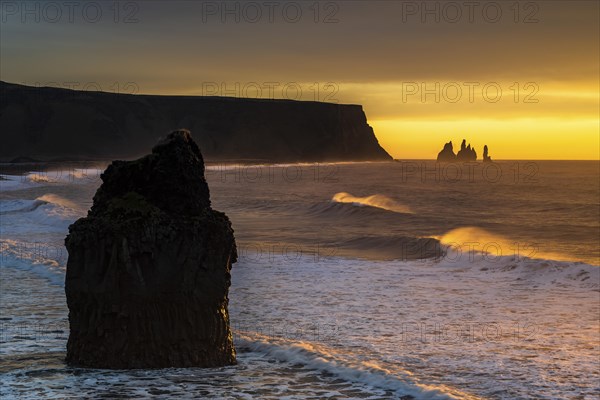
(376, 200)
(479, 240)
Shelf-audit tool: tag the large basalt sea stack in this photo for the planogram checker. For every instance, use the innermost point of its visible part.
(148, 272)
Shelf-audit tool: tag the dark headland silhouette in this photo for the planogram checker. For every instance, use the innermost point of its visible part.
(465, 154)
(51, 123)
(148, 272)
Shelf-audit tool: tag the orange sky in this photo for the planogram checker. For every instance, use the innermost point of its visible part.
(423, 77)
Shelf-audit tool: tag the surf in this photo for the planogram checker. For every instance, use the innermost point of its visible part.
(477, 240)
(376, 201)
(319, 358)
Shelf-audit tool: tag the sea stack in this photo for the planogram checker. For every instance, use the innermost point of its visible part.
(486, 157)
(148, 272)
(447, 153)
(466, 153)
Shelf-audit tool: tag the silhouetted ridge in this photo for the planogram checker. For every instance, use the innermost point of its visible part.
(52, 122)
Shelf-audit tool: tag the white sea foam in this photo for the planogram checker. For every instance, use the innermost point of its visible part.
(455, 324)
(33, 234)
(39, 258)
(467, 324)
(49, 178)
(313, 356)
(47, 213)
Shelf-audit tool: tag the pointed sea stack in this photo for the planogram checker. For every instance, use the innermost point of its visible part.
(148, 272)
(486, 157)
(466, 153)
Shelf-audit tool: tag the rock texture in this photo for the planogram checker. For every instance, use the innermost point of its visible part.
(48, 123)
(148, 272)
(447, 153)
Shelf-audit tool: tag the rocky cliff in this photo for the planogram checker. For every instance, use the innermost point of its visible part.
(148, 271)
(49, 123)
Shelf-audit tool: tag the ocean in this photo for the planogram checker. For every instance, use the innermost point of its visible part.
(395, 280)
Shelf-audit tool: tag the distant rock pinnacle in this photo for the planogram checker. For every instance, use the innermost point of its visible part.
(486, 157)
(466, 153)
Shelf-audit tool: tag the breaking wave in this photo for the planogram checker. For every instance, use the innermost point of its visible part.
(481, 241)
(48, 178)
(319, 358)
(376, 200)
